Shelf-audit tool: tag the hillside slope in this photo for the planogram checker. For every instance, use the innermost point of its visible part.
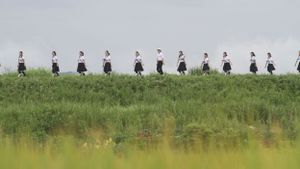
(125, 107)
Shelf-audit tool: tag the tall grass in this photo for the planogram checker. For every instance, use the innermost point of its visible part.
(69, 155)
(212, 109)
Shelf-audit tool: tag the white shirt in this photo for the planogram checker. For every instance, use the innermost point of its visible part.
(160, 56)
(107, 59)
(270, 61)
(21, 60)
(298, 59)
(226, 59)
(81, 59)
(181, 58)
(138, 59)
(205, 61)
(54, 59)
(253, 59)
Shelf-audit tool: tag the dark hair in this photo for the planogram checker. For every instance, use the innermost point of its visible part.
(252, 54)
(20, 53)
(54, 52)
(225, 53)
(205, 54)
(81, 53)
(107, 52)
(180, 53)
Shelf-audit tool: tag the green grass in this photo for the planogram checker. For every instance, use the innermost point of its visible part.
(122, 121)
(216, 108)
(69, 155)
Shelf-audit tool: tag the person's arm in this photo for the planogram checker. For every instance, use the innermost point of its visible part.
(297, 61)
(266, 64)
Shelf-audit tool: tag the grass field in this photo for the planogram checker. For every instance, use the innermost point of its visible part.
(122, 121)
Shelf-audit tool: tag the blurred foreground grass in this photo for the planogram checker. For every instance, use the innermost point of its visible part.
(70, 155)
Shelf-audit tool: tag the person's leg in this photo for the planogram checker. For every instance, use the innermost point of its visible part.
(160, 70)
(157, 68)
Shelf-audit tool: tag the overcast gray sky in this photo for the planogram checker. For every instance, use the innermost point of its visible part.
(122, 26)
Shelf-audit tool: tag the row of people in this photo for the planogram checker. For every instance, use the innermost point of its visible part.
(138, 63)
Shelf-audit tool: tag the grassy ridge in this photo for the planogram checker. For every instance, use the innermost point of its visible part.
(186, 108)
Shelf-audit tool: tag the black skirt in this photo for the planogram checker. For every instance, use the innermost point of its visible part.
(226, 67)
(253, 68)
(138, 67)
(205, 67)
(81, 68)
(21, 67)
(107, 67)
(298, 67)
(181, 67)
(55, 68)
(271, 67)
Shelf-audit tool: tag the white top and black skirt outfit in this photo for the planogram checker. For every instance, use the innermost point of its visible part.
(226, 66)
(138, 67)
(55, 67)
(182, 64)
(253, 66)
(205, 65)
(270, 64)
(107, 64)
(21, 64)
(81, 65)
